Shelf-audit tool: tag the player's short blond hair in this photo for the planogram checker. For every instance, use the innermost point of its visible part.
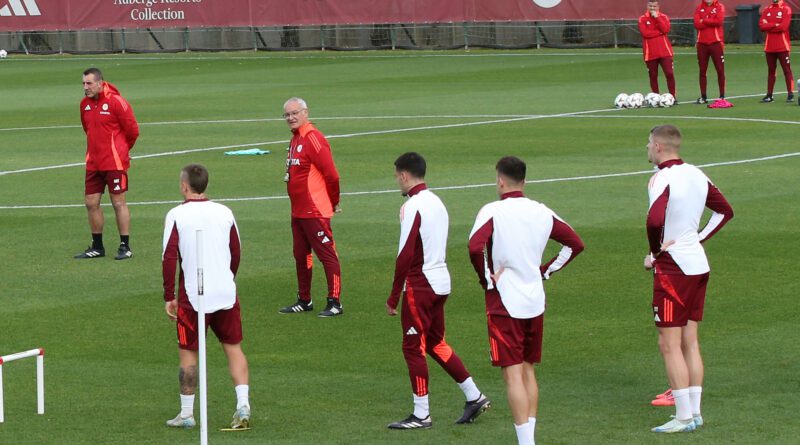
(668, 136)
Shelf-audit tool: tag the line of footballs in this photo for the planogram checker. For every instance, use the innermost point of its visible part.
(637, 100)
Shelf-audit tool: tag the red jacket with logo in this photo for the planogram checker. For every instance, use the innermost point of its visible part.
(655, 43)
(313, 180)
(111, 130)
(708, 21)
(775, 21)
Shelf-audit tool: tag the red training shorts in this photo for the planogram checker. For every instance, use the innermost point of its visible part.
(678, 299)
(514, 340)
(226, 324)
(96, 182)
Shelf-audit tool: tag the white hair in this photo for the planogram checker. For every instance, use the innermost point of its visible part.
(300, 101)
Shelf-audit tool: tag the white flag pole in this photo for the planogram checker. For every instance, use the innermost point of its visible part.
(201, 335)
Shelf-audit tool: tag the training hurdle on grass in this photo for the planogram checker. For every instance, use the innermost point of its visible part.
(39, 354)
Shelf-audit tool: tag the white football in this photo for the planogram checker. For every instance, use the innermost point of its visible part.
(635, 100)
(652, 99)
(621, 101)
(667, 100)
(3, 54)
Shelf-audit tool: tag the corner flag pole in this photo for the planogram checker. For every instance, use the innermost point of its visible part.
(201, 336)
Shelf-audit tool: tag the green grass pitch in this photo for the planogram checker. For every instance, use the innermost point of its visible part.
(111, 362)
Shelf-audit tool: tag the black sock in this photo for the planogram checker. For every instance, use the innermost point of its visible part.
(124, 239)
(97, 241)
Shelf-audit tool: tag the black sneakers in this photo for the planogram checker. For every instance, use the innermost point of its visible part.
(90, 252)
(411, 422)
(790, 98)
(474, 409)
(701, 101)
(767, 99)
(300, 306)
(333, 308)
(124, 252)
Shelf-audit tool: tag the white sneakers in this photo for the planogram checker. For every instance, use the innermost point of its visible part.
(676, 426)
(181, 422)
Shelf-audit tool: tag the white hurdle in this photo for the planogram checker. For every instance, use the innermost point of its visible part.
(39, 354)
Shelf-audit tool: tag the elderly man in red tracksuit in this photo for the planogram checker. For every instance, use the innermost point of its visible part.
(111, 131)
(775, 21)
(708, 20)
(654, 27)
(313, 186)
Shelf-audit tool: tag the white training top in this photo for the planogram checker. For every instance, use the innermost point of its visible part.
(521, 229)
(688, 189)
(433, 229)
(216, 221)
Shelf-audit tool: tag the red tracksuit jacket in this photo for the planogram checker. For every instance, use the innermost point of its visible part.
(111, 130)
(655, 42)
(313, 180)
(708, 21)
(775, 21)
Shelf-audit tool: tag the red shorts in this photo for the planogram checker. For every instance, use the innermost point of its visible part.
(678, 299)
(96, 182)
(226, 324)
(514, 340)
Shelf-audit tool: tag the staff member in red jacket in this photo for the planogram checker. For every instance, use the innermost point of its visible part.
(313, 186)
(654, 27)
(775, 21)
(111, 130)
(708, 20)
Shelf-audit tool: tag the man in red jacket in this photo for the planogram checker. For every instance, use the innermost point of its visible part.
(654, 27)
(775, 21)
(111, 130)
(708, 20)
(313, 185)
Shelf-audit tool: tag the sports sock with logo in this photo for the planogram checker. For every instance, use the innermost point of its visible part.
(125, 239)
(683, 406)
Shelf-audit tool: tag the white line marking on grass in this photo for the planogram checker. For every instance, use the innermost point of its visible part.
(452, 187)
(280, 119)
(707, 118)
(336, 136)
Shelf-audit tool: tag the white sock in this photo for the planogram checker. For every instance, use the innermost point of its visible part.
(683, 406)
(242, 395)
(532, 421)
(187, 405)
(524, 433)
(695, 393)
(471, 391)
(421, 406)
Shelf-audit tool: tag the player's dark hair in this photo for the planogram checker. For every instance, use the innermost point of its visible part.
(411, 162)
(98, 75)
(512, 168)
(196, 176)
(667, 134)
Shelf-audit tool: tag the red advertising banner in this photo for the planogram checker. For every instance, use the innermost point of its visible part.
(35, 15)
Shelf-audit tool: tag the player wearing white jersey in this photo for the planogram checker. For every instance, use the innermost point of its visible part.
(221, 254)
(679, 193)
(422, 278)
(506, 246)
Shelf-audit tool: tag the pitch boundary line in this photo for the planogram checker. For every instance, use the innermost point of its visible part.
(328, 118)
(451, 187)
(336, 136)
(370, 133)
